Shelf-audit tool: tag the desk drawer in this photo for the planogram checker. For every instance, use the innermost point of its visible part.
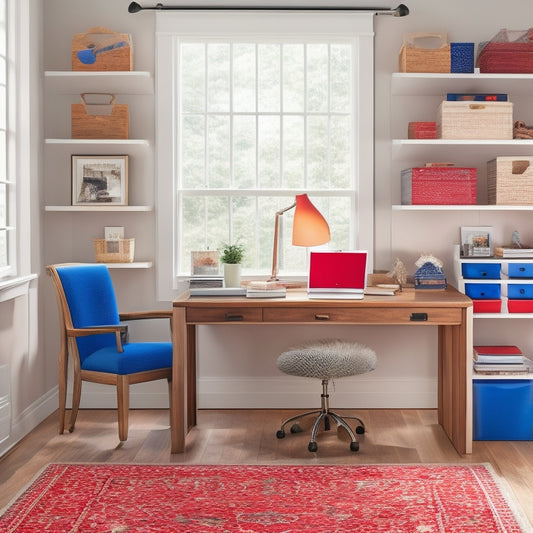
(210, 315)
(364, 315)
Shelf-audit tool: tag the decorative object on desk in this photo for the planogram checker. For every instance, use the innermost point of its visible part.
(425, 52)
(232, 255)
(398, 272)
(508, 52)
(205, 263)
(267, 498)
(309, 228)
(439, 184)
(429, 274)
(477, 241)
(102, 49)
(99, 180)
(99, 117)
(510, 180)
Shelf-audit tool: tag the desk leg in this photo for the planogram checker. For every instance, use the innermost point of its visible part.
(178, 413)
(455, 383)
(191, 376)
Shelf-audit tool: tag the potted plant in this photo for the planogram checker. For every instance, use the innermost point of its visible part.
(231, 256)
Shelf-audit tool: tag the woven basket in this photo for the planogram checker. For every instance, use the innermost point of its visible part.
(120, 251)
(510, 181)
(475, 120)
(415, 58)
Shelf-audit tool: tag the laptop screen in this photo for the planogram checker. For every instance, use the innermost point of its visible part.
(337, 270)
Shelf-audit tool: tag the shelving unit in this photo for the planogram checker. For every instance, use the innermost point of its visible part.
(133, 84)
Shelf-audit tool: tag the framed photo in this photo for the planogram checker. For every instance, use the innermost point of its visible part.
(204, 263)
(476, 241)
(99, 179)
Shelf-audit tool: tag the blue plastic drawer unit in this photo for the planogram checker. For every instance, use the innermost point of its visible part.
(503, 409)
(517, 291)
(481, 270)
(520, 270)
(481, 291)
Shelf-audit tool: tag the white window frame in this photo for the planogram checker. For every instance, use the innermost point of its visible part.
(356, 27)
(19, 161)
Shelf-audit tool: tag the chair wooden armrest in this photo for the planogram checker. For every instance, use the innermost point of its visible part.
(98, 330)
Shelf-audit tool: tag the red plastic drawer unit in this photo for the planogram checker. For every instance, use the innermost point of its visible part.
(487, 306)
(520, 306)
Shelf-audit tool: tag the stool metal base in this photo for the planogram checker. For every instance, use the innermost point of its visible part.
(324, 414)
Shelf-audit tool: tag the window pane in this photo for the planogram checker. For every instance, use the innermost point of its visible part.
(218, 80)
(244, 151)
(317, 153)
(192, 82)
(340, 78)
(244, 77)
(3, 156)
(317, 77)
(218, 151)
(3, 248)
(294, 152)
(269, 151)
(293, 78)
(269, 85)
(3, 205)
(193, 152)
(340, 170)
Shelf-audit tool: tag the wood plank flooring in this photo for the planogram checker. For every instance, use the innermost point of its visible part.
(249, 437)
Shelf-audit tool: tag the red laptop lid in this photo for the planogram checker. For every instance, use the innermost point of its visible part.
(337, 270)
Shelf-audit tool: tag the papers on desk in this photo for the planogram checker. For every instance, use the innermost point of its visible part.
(218, 291)
(382, 290)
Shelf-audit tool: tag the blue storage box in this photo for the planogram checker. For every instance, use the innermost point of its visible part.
(462, 57)
(481, 291)
(503, 409)
(520, 270)
(517, 291)
(481, 270)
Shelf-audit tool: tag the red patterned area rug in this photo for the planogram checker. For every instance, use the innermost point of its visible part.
(170, 498)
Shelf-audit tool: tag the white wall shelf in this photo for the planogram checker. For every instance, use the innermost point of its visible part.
(462, 207)
(77, 82)
(414, 83)
(135, 264)
(124, 142)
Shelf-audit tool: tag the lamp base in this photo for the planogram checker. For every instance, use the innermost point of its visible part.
(275, 284)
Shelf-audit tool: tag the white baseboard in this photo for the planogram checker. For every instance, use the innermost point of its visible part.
(29, 419)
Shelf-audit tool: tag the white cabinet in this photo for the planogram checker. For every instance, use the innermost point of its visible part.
(134, 88)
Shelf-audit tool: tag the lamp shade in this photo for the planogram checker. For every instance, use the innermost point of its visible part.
(309, 227)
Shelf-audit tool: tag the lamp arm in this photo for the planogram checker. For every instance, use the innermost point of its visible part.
(274, 276)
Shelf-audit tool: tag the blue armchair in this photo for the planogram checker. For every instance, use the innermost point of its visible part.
(92, 333)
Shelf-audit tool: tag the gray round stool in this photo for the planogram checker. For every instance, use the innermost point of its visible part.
(326, 359)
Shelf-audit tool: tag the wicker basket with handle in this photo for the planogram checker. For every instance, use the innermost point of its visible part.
(415, 58)
(120, 251)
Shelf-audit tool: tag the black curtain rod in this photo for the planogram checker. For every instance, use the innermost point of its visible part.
(400, 11)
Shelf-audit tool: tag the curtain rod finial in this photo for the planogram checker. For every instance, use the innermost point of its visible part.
(401, 11)
(134, 7)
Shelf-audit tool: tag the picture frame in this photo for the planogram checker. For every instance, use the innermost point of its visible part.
(477, 241)
(99, 180)
(205, 263)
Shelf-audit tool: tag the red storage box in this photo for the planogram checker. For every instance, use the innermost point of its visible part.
(487, 306)
(509, 52)
(520, 306)
(422, 130)
(439, 186)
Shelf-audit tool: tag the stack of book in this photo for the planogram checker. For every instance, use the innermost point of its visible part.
(265, 289)
(500, 360)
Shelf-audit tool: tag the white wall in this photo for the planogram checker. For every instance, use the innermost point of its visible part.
(237, 365)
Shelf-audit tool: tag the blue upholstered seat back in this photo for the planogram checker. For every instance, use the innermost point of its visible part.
(91, 300)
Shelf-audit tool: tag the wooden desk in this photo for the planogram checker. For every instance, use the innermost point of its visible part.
(449, 310)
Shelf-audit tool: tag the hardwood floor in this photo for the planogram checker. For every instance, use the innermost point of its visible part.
(249, 437)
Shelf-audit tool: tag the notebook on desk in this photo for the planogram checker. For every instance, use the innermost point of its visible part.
(337, 274)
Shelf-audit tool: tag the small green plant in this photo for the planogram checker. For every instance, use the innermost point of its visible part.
(232, 253)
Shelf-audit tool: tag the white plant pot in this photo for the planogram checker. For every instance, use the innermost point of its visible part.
(232, 275)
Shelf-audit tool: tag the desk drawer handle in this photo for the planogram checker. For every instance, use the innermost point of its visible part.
(234, 318)
(419, 317)
(321, 317)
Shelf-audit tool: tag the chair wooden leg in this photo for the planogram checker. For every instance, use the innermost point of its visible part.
(76, 396)
(170, 404)
(123, 401)
(62, 385)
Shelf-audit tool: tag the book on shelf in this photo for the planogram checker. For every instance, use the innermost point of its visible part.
(526, 367)
(477, 97)
(510, 252)
(506, 354)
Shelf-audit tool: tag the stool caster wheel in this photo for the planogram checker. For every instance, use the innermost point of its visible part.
(354, 446)
(360, 430)
(280, 434)
(313, 446)
(295, 428)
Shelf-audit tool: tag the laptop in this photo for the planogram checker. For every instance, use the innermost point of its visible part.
(337, 274)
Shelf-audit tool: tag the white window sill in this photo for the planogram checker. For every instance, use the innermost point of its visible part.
(14, 287)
